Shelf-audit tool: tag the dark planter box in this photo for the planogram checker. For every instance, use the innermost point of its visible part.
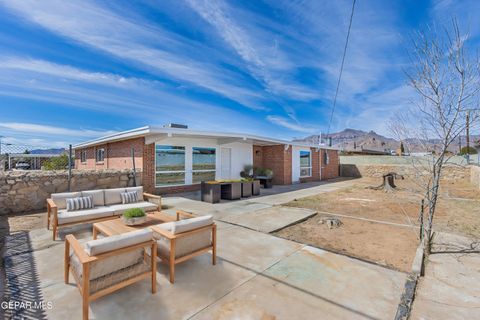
(256, 187)
(231, 190)
(247, 189)
(210, 192)
(265, 182)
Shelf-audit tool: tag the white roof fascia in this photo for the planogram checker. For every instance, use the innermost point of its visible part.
(172, 132)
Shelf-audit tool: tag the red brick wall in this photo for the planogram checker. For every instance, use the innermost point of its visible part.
(279, 161)
(148, 172)
(117, 155)
(332, 169)
(257, 156)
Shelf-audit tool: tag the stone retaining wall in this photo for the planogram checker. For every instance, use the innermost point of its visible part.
(24, 191)
(475, 176)
(450, 172)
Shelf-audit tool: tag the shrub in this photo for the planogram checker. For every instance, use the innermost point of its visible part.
(468, 150)
(134, 213)
(56, 163)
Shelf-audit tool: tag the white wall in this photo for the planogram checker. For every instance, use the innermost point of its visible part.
(296, 162)
(241, 154)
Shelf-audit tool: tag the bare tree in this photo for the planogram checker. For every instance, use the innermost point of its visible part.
(446, 78)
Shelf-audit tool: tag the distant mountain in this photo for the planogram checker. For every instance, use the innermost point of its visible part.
(48, 151)
(357, 140)
(352, 139)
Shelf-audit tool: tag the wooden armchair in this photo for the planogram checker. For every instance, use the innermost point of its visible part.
(103, 266)
(182, 240)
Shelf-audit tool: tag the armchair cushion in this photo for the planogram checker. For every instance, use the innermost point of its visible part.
(98, 246)
(139, 191)
(185, 245)
(190, 224)
(113, 196)
(61, 198)
(65, 216)
(97, 195)
(108, 265)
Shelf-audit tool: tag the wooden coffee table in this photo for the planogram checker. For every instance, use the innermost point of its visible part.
(116, 226)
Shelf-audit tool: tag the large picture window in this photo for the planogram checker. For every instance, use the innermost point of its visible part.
(203, 164)
(305, 164)
(169, 165)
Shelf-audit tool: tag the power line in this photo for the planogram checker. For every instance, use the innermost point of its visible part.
(341, 68)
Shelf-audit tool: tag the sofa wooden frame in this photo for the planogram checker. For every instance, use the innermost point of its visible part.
(171, 260)
(84, 283)
(52, 210)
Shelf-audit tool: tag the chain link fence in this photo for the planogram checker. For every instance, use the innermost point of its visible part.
(29, 157)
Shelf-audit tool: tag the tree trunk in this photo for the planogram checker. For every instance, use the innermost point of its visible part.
(432, 196)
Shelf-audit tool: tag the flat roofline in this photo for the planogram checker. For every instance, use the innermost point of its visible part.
(152, 130)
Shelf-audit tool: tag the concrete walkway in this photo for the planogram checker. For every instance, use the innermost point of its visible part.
(450, 289)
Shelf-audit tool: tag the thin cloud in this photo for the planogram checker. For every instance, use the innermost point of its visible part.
(97, 27)
(33, 128)
(283, 122)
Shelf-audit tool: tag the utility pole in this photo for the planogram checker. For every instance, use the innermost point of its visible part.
(468, 136)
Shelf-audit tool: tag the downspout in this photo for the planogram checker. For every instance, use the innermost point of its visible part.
(320, 162)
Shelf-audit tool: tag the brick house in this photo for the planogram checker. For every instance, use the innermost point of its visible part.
(177, 159)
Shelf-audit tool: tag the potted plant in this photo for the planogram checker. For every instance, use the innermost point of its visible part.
(255, 187)
(247, 187)
(134, 216)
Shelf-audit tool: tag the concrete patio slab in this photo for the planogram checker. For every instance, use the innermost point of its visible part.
(449, 289)
(197, 284)
(253, 250)
(313, 284)
(270, 219)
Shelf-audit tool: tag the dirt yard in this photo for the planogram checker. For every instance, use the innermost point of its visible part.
(383, 227)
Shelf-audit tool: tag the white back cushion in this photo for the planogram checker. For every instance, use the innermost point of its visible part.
(97, 195)
(60, 198)
(95, 247)
(113, 196)
(190, 224)
(139, 191)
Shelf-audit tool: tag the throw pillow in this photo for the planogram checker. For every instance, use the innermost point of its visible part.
(79, 203)
(129, 197)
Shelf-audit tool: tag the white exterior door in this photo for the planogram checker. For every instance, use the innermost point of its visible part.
(226, 163)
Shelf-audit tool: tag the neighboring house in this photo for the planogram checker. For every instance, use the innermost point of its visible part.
(177, 159)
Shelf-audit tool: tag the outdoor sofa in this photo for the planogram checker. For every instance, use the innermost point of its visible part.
(105, 265)
(107, 204)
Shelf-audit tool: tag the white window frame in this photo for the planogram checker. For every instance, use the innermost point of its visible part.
(83, 156)
(174, 171)
(207, 170)
(309, 162)
(326, 159)
(97, 150)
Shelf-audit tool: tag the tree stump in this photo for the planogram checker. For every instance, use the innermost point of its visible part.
(388, 184)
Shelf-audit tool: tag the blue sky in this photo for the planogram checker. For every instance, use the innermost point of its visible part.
(75, 70)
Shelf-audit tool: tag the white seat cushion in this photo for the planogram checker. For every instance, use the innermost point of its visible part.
(113, 196)
(98, 246)
(139, 191)
(65, 216)
(145, 205)
(97, 196)
(60, 198)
